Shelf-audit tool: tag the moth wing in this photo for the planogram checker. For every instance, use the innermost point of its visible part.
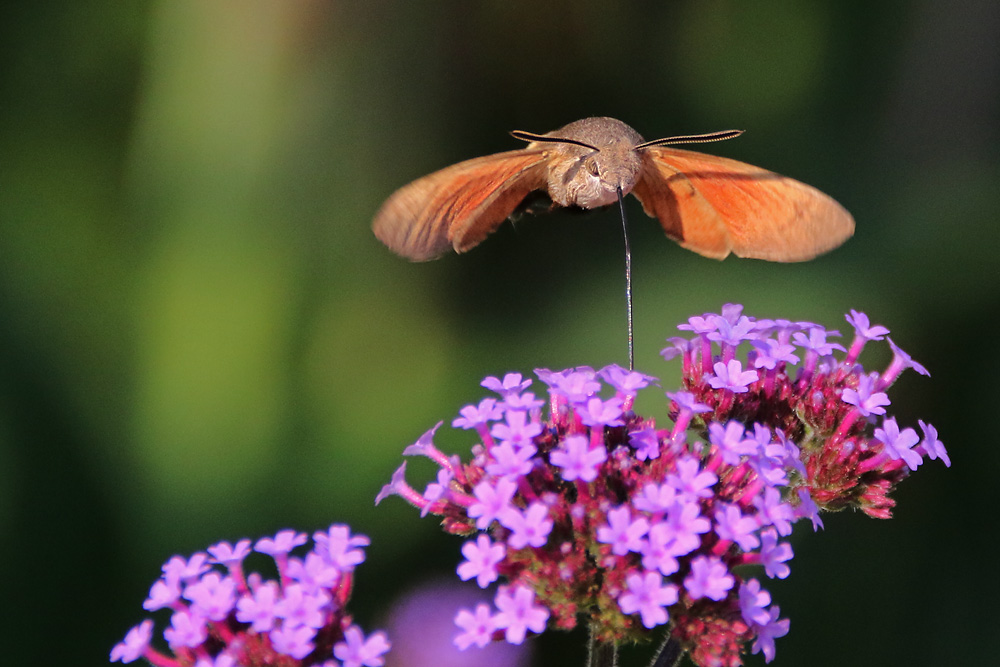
(713, 206)
(458, 206)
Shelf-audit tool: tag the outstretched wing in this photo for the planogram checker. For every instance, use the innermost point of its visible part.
(459, 206)
(714, 206)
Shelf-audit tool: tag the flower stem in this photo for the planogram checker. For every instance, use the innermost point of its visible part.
(670, 653)
(601, 654)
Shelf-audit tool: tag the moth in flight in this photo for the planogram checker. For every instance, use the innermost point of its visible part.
(711, 205)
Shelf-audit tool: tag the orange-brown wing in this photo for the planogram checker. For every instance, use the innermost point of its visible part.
(458, 206)
(715, 206)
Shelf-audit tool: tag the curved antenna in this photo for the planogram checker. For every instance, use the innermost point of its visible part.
(530, 136)
(691, 139)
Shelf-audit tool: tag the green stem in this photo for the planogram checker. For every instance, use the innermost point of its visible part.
(601, 654)
(670, 653)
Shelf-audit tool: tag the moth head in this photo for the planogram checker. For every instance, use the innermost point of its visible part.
(584, 175)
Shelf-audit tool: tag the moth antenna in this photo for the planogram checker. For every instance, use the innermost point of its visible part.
(691, 139)
(628, 281)
(530, 136)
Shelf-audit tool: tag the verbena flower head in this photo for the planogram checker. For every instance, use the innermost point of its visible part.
(221, 617)
(586, 510)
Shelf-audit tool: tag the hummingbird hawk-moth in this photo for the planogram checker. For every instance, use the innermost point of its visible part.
(711, 205)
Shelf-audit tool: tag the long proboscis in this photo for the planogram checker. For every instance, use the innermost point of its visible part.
(628, 281)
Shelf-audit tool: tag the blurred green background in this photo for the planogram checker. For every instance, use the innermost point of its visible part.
(200, 339)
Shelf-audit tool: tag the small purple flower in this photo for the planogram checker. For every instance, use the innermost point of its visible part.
(900, 362)
(213, 596)
(649, 596)
(135, 643)
(577, 460)
(646, 443)
(770, 459)
(753, 603)
(772, 511)
(685, 523)
(162, 594)
(280, 544)
(791, 454)
(226, 554)
(816, 341)
(478, 626)
(709, 578)
(768, 632)
(528, 528)
(899, 444)
(481, 558)
(313, 573)
(730, 441)
(424, 446)
(258, 610)
(863, 328)
(518, 613)
(356, 651)
(624, 381)
(596, 413)
(299, 607)
(517, 429)
(511, 384)
(731, 524)
(340, 548)
(473, 416)
(808, 509)
(771, 352)
(525, 402)
(658, 550)
(678, 347)
(293, 640)
(491, 501)
(685, 400)
(732, 334)
(397, 486)
(731, 376)
(574, 385)
(621, 532)
(773, 554)
(760, 440)
(657, 498)
(865, 398)
(691, 480)
(731, 312)
(931, 446)
(438, 489)
(510, 461)
(178, 569)
(701, 325)
(186, 629)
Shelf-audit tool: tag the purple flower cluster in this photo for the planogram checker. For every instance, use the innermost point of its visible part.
(587, 509)
(223, 618)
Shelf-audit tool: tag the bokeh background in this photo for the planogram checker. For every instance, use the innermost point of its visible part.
(200, 339)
